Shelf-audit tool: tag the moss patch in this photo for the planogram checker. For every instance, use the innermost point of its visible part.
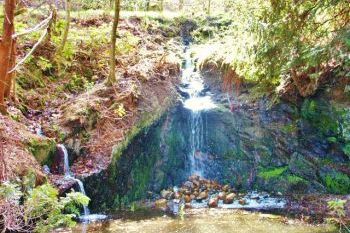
(43, 150)
(272, 173)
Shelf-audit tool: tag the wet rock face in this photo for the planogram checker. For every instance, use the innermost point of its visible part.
(249, 147)
(253, 146)
(58, 163)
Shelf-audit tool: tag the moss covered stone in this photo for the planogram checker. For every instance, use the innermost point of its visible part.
(43, 150)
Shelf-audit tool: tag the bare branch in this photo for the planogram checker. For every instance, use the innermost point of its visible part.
(30, 52)
(38, 27)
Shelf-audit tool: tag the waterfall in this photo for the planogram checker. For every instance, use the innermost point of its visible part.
(69, 175)
(82, 190)
(66, 168)
(199, 101)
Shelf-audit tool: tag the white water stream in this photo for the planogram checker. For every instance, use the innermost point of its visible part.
(199, 100)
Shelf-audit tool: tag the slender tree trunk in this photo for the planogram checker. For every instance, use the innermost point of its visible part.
(161, 5)
(148, 3)
(66, 29)
(209, 7)
(181, 5)
(11, 76)
(112, 77)
(5, 50)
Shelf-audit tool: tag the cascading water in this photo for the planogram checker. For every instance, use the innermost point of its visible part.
(199, 101)
(69, 175)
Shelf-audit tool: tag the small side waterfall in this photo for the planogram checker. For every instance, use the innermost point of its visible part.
(82, 190)
(199, 100)
(69, 175)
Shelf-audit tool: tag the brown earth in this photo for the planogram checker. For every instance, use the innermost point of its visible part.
(93, 122)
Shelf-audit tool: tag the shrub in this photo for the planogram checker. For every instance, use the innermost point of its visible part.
(337, 183)
(37, 209)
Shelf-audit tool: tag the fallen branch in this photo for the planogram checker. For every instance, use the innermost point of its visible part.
(38, 27)
(30, 52)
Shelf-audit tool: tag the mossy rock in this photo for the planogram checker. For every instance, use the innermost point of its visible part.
(301, 167)
(297, 184)
(43, 150)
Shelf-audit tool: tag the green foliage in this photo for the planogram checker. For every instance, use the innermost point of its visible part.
(10, 191)
(346, 149)
(337, 207)
(267, 174)
(42, 206)
(77, 83)
(338, 183)
(269, 41)
(294, 179)
(321, 116)
(127, 43)
(90, 4)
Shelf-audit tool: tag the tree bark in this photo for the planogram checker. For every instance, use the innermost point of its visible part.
(6, 46)
(112, 77)
(148, 3)
(209, 7)
(161, 7)
(66, 29)
(181, 5)
(11, 76)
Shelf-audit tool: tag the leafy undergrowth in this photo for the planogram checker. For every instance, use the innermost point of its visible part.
(26, 207)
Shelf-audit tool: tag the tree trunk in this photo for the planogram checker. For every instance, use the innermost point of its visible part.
(66, 29)
(6, 46)
(11, 76)
(112, 77)
(161, 7)
(209, 7)
(181, 5)
(148, 3)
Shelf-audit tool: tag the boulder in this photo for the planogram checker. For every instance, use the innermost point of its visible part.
(188, 185)
(213, 202)
(202, 196)
(226, 188)
(222, 196)
(187, 198)
(242, 202)
(229, 198)
(300, 166)
(161, 203)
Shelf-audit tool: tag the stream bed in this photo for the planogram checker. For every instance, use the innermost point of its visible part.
(201, 221)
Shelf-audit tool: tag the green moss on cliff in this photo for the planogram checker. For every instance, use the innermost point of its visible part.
(267, 174)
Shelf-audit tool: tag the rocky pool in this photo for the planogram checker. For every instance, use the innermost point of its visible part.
(200, 221)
